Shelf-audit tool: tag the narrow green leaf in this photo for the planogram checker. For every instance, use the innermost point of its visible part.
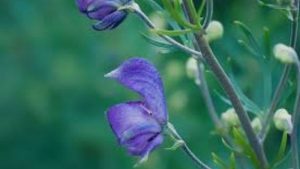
(286, 11)
(158, 43)
(241, 140)
(201, 8)
(230, 147)
(171, 32)
(246, 101)
(267, 42)
(174, 25)
(277, 164)
(232, 164)
(250, 37)
(193, 11)
(218, 161)
(176, 13)
(282, 148)
(247, 107)
(248, 48)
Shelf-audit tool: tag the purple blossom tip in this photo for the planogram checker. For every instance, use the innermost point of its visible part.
(112, 74)
(138, 125)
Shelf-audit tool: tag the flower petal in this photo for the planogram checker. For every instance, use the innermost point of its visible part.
(83, 4)
(141, 76)
(102, 12)
(144, 144)
(110, 21)
(129, 120)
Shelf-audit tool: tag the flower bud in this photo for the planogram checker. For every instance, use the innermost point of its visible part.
(256, 124)
(285, 54)
(106, 12)
(214, 31)
(158, 20)
(283, 120)
(230, 118)
(192, 69)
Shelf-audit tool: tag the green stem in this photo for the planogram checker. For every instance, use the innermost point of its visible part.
(228, 87)
(236, 103)
(296, 118)
(296, 115)
(285, 74)
(207, 97)
(209, 13)
(136, 9)
(200, 75)
(194, 16)
(186, 149)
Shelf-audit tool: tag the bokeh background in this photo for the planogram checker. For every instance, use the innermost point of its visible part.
(53, 94)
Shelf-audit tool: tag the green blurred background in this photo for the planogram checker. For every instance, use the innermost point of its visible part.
(53, 94)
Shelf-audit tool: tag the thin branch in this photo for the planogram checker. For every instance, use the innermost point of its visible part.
(209, 13)
(296, 118)
(186, 149)
(285, 74)
(135, 7)
(207, 97)
(236, 103)
(215, 66)
(200, 75)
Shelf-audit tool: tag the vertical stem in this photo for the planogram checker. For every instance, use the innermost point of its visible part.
(185, 148)
(171, 128)
(285, 74)
(190, 13)
(294, 138)
(278, 92)
(228, 87)
(236, 103)
(207, 97)
(296, 118)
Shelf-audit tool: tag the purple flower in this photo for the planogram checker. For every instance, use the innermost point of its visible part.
(105, 11)
(138, 125)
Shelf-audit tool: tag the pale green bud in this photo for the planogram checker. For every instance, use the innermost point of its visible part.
(230, 118)
(256, 125)
(192, 69)
(214, 31)
(158, 20)
(285, 54)
(283, 120)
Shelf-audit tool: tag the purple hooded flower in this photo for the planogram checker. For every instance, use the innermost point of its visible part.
(105, 11)
(138, 125)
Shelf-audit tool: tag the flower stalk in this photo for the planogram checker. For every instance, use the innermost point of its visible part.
(188, 10)
(296, 119)
(236, 103)
(285, 74)
(137, 10)
(224, 80)
(185, 147)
